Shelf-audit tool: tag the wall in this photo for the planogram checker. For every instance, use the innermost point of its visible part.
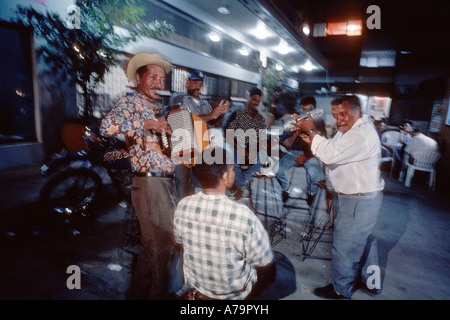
(443, 175)
(18, 155)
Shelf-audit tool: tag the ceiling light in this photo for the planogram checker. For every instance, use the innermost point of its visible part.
(308, 66)
(223, 10)
(214, 37)
(261, 31)
(306, 30)
(244, 51)
(283, 47)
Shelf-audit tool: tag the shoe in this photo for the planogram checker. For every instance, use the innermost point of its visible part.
(238, 194)
(285, 196)
(328, 292)
(363, 287)
(309, 199)
(242, 194)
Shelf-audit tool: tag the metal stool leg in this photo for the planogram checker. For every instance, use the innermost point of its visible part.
(311, 234)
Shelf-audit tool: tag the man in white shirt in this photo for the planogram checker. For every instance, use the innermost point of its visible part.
(351, 157)
(421, 142)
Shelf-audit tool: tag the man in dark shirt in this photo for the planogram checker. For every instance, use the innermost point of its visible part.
(244, 132)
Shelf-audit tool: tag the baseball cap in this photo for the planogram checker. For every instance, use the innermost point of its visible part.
(196, 75)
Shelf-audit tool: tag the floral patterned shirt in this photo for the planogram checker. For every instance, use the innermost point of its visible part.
(126, 121)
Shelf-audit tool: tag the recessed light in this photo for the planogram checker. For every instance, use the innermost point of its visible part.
(244, 51)
(223, 10)
(214, 37)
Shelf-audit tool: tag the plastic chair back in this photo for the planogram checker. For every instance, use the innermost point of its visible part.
(425, 159)
(390, 137)
(422, 161)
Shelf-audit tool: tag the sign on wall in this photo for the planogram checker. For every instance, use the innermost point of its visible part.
(437, 115)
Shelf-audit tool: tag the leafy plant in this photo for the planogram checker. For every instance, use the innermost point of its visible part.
(86, 53)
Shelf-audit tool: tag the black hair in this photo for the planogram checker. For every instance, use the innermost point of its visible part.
(141, 70)
(352, 100)
(209, 174)
(336, 101)
(308, 100)
(256, 91)
(410, 122)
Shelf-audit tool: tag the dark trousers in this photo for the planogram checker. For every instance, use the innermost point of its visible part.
(154, 204)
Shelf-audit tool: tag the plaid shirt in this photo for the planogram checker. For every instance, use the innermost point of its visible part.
(126, 121)
(222, 243)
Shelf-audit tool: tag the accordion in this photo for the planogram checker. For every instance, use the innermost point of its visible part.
(189, 137)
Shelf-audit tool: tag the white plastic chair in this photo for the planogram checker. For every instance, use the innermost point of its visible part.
(387, 159)
(391, 137)
(422, 161)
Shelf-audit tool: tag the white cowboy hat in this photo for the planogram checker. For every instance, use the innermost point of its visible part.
(143, 59)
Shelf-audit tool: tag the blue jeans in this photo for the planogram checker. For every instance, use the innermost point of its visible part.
(313, 168)
(244, 176)
(354, 251)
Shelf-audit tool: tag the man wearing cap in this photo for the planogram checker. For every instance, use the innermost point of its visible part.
(193, 101)
(185, 181)
(135, 120)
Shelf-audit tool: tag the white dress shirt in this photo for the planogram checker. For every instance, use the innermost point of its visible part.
(352, 158)
(421, 142)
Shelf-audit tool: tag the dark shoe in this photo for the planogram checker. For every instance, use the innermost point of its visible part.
(285, 196)
(328, 292)
(309, 199)
(238, 194)
(363, 287)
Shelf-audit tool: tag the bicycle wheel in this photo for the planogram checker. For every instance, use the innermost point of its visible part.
(70, 191)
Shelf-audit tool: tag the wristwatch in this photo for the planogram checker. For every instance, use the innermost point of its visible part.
(310, 131)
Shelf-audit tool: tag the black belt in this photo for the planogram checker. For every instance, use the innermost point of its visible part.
(155, 174)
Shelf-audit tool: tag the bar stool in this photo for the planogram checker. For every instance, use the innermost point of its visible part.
(312, 234)
(266, 202)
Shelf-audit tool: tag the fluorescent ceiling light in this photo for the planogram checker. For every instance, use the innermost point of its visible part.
(283, 47)
(214, 37)
(223, 10)
(308, 66)
(244, 51)
(261, 31)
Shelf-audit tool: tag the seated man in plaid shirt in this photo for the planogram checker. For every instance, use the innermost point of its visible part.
(226, 250)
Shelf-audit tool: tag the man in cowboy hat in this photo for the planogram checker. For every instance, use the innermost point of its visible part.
(135, 120)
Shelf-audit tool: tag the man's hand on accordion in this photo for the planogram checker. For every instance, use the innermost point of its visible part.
(158, 125)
